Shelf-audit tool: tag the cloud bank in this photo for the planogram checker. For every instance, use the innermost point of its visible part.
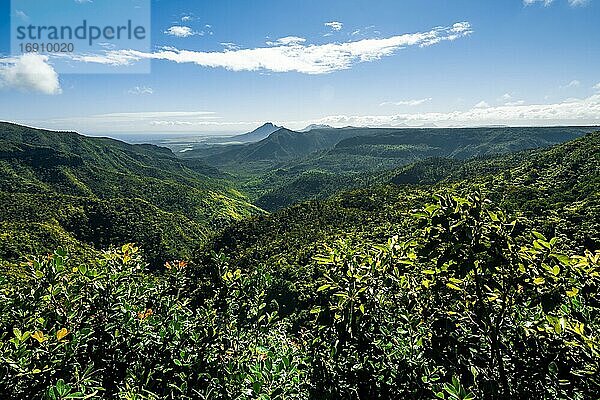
(411, 103)
(291, 54)
(577, 111)
(585, 111)
(546, 3)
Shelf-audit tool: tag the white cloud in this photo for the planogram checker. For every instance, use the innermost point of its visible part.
(291, 53)
(182, 31)
(573, 84)
(596, 86)
(334, 25)
(508, 100)
(481, 104)
(83, 1)
(412, 103)
(577, 112)
(230, 46)
(546, 3)
(110, 57)
(21, 14)
(365, 31)
(287, 41)
(137, 90)
(186, 18)
(107, 45)
(30, 72)
(576, 3)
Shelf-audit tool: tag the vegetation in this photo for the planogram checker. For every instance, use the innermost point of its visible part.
(100, 191)
(449, 278)
(288, 167)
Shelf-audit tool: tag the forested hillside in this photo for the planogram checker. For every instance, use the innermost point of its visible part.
(281, 145)
(289, 167)
(453, 278)
(555, 191)
(101, 191)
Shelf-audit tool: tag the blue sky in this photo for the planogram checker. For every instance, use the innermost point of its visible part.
(222, 66)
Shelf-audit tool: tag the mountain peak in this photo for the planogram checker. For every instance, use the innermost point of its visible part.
(260, 133)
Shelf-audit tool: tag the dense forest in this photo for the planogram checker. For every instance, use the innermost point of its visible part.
(337, 264)
(57, 186)
(288, 167)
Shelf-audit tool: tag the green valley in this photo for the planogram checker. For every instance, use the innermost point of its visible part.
(425, 264)
(288, 167)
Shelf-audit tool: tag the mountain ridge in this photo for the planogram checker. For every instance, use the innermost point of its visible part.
(316, 126)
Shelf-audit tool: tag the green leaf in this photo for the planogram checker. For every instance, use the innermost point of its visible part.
(539, 281)
(539, 235)
(323, 287)
(565, 260)
(432, 207)
(573, 292)
(62, 388)
(558, 328)
(323, 259)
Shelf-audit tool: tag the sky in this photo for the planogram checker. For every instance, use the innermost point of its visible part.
(229, 66)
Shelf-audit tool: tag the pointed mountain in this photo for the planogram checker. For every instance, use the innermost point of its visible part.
(258, 134)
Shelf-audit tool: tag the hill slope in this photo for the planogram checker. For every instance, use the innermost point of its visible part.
(107, 179)
(458, 289)
(442, 265)
(359, 161)
(557, 189)
(282, 145)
